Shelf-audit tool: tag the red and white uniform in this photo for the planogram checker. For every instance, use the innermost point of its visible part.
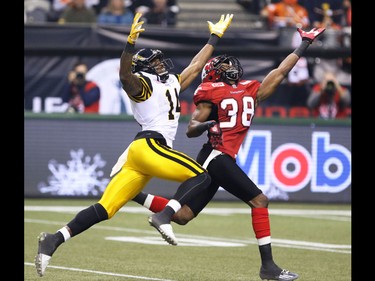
(235, 110)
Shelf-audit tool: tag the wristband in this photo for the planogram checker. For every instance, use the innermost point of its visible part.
(213, 39)
(301, 49)
(129, 48)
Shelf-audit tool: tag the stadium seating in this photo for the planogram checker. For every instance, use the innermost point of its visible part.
(192, 13)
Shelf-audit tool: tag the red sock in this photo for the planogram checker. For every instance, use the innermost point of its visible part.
(261, 222)
(158, 203)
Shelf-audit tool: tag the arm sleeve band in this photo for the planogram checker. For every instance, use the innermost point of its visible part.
(301, 49)
(213, 40)
(129, 48)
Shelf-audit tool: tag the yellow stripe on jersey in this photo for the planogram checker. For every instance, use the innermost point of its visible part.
(146, 90)
(176, 156)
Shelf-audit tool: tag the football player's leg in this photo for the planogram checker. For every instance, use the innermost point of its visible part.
(166, 163)
(187, 212)
(240, 185)
(173, 165)
(113, 198)
(152, 202)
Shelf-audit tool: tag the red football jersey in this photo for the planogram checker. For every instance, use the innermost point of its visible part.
(235, 110)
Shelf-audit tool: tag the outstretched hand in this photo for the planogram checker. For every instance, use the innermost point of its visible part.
(221, 26)
(310, 35)
(136, 29)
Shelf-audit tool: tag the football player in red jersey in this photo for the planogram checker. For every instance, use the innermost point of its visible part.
(225, 107)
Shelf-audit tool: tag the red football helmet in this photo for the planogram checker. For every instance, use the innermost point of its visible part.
(215, 71)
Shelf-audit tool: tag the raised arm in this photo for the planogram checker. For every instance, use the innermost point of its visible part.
(130, 82)
(197, 63)
(276, 76)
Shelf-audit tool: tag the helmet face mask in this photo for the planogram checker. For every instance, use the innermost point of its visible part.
(222, 69)
(144, 60)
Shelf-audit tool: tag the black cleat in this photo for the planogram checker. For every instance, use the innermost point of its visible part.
(46, 247)
(284, 275)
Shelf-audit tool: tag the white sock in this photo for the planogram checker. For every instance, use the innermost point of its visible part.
(174, 204)
(65, 232)
(148, 201)
(264, 240)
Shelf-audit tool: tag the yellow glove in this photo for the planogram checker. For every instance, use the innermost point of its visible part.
(135, 29)
(222, 25)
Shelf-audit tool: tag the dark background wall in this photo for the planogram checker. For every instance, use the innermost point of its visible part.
(50, 51)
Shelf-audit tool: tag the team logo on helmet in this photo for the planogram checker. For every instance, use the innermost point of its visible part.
(143, 61)
(222, 68)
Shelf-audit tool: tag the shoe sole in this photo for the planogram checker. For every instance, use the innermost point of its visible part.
(38, 257)
(163, 234)
(38, 264)
(277, 278)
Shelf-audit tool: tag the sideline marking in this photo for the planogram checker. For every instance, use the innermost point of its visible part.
(102, 272)
(344, 249)
(319, 214)
(181, 241)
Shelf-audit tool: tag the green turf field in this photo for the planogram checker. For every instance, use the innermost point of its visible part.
(219, 245)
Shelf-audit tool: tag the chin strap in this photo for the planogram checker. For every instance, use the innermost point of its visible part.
(163, 78)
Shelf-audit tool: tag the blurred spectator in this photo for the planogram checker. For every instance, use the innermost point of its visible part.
(98, 5)
(115, 13)
(341, 67)
(328, 99)
(286, 13)
(83, 96)
(77, 12)
(347, 18)
(140, 6)
(335, 36)
(317, 9)
(58, 7)
(347, 33)
(36, 10)
(158, 12)
(326, 16)
(252, 6)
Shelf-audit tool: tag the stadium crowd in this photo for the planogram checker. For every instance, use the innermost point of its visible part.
(291, 98)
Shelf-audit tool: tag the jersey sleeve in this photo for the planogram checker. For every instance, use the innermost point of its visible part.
(146, 89)
(203, 93)
(178, 76)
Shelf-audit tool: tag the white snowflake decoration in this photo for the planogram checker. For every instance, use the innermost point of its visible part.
(80, 176)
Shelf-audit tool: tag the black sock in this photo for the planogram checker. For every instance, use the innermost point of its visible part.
(140, 198)
(266, 255)
(59, 238)
(87, 218)
(166, 214)
(168, 211)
